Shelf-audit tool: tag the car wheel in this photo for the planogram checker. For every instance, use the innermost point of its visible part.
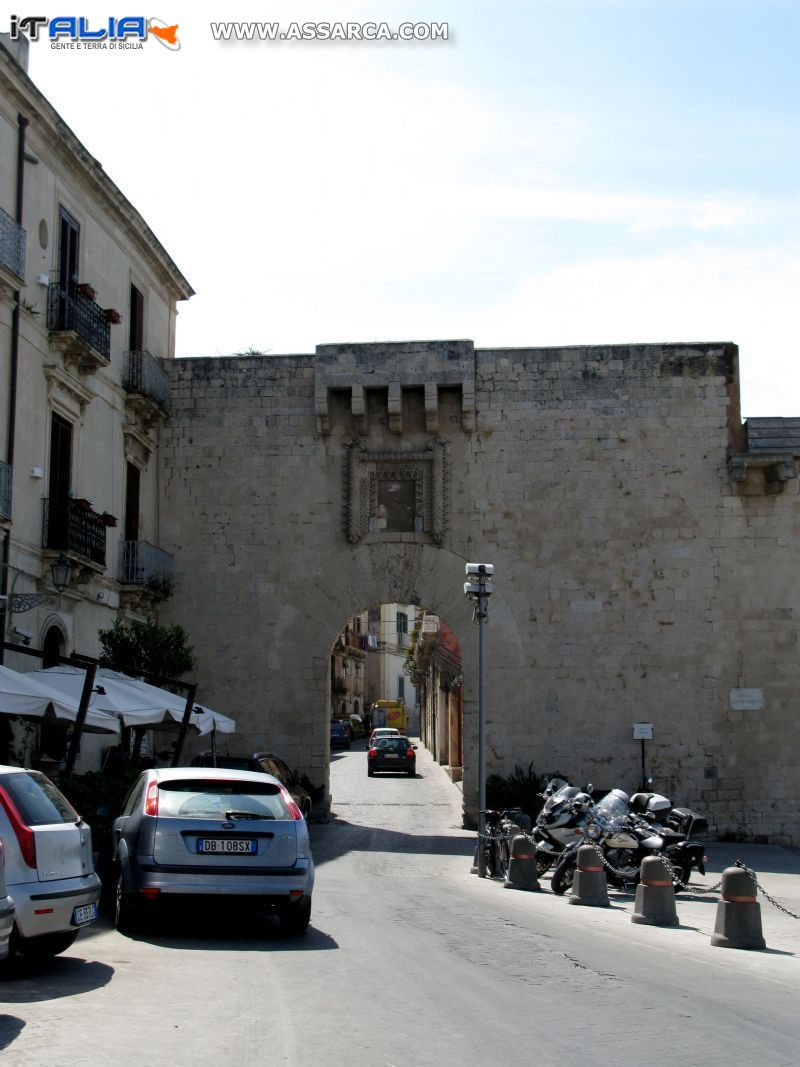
(44, 946)
(370, 772)
(126, 916)
(412, 773)
(294, 919)
(306, 810)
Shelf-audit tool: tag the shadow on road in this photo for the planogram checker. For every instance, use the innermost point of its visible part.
(25, 981)
(337, 838)
(193, 929)
(10, 1029)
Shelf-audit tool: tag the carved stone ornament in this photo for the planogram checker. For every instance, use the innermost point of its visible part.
(421, 479)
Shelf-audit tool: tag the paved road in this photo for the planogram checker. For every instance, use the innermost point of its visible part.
(413, 961)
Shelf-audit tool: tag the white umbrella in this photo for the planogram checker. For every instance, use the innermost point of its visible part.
(30, 694)
(137, 703)
(203, 719)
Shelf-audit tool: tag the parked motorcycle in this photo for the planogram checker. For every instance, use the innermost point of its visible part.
(625, 839)
(561, 821)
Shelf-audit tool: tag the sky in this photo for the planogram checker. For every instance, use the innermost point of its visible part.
(556, 172)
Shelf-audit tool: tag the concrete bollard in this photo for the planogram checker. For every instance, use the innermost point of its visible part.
(738, 922)
(522, 873)
(655, 895)
(590, 886)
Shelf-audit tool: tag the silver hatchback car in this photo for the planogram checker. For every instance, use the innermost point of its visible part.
(49, 871)
(233, 837)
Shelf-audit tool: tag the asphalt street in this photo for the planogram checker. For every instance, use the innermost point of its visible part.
(412, 960)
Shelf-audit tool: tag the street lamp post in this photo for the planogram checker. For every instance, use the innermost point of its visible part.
(478, 589)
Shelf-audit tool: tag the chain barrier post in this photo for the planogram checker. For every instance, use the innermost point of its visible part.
(738, 923)
(655, 894)
(522, 867)
(590, 886)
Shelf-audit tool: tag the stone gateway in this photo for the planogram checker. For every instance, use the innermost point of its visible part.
(643, 541)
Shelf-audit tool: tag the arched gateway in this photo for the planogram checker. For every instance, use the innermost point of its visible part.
(633, 535)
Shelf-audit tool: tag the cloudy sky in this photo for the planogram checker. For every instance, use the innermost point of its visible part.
(556, 172)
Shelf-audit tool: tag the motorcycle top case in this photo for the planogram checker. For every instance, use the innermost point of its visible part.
(689, 822)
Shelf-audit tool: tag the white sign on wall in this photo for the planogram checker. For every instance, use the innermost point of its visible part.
(642, 731)
(747, 700)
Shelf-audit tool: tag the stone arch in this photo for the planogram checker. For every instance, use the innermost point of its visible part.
(292, 645)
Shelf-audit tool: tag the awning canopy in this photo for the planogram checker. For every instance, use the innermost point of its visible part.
(131, 701)
(32, 695)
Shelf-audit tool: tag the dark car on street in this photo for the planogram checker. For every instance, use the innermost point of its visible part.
(392, 754)
(340, 736)
(274, 765)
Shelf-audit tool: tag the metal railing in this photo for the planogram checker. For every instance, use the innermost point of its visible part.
(67, 309)
(70, 528)
(143, 373)
(141, 562)
(12, 245)
(6, 474)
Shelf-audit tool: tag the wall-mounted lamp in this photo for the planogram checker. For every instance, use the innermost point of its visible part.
(61, 570)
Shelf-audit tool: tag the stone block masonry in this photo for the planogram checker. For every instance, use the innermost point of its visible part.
(644, 559)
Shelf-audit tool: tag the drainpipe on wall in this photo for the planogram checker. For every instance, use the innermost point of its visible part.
(22, 123)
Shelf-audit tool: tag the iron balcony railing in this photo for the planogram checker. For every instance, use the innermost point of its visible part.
(143, 373)
(141, 562)
(12, 245)
(6, 472)
(67, 309)
(69, 527)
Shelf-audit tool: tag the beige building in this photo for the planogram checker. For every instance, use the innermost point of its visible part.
(348, 669)
(88, 303)
(390, 630)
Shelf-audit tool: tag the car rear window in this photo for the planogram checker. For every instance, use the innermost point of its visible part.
(197, 798)
(392, 744)
(37, 799)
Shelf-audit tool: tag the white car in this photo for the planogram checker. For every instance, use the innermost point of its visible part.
(48, 864)
(6, 910)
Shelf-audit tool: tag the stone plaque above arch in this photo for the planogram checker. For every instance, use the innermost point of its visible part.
(395, 495)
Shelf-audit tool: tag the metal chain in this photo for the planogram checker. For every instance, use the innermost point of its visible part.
(764, 893)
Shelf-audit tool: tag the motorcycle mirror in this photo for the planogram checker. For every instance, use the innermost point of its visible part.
(589, 788)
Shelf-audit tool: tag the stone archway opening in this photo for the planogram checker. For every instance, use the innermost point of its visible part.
(399, 663)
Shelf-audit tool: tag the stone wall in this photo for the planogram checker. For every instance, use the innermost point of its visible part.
(635, 580)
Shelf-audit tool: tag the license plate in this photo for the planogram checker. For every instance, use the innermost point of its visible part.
(86, 913)
(391, 755)
(226, 845)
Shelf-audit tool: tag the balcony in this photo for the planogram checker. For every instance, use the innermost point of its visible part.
(71, 528)
(147, 385)
(12, 253)
(142, 563)
(78, 326)
(6, 474)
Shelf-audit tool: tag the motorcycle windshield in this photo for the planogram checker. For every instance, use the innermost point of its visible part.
(559, 799)
(612, 806)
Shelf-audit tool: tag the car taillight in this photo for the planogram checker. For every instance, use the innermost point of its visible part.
(372, 752)
(26, 838)
(294, 811)
(410, 753)
(151, 801)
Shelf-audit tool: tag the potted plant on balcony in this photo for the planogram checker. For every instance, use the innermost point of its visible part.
(83, 504)
(108, 519)
(87, 290)
(113, 316)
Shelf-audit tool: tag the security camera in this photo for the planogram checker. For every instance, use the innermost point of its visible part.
(474, 589)
(479, 568)
(25, 635)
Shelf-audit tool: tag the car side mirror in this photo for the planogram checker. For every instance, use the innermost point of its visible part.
(414, 746)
